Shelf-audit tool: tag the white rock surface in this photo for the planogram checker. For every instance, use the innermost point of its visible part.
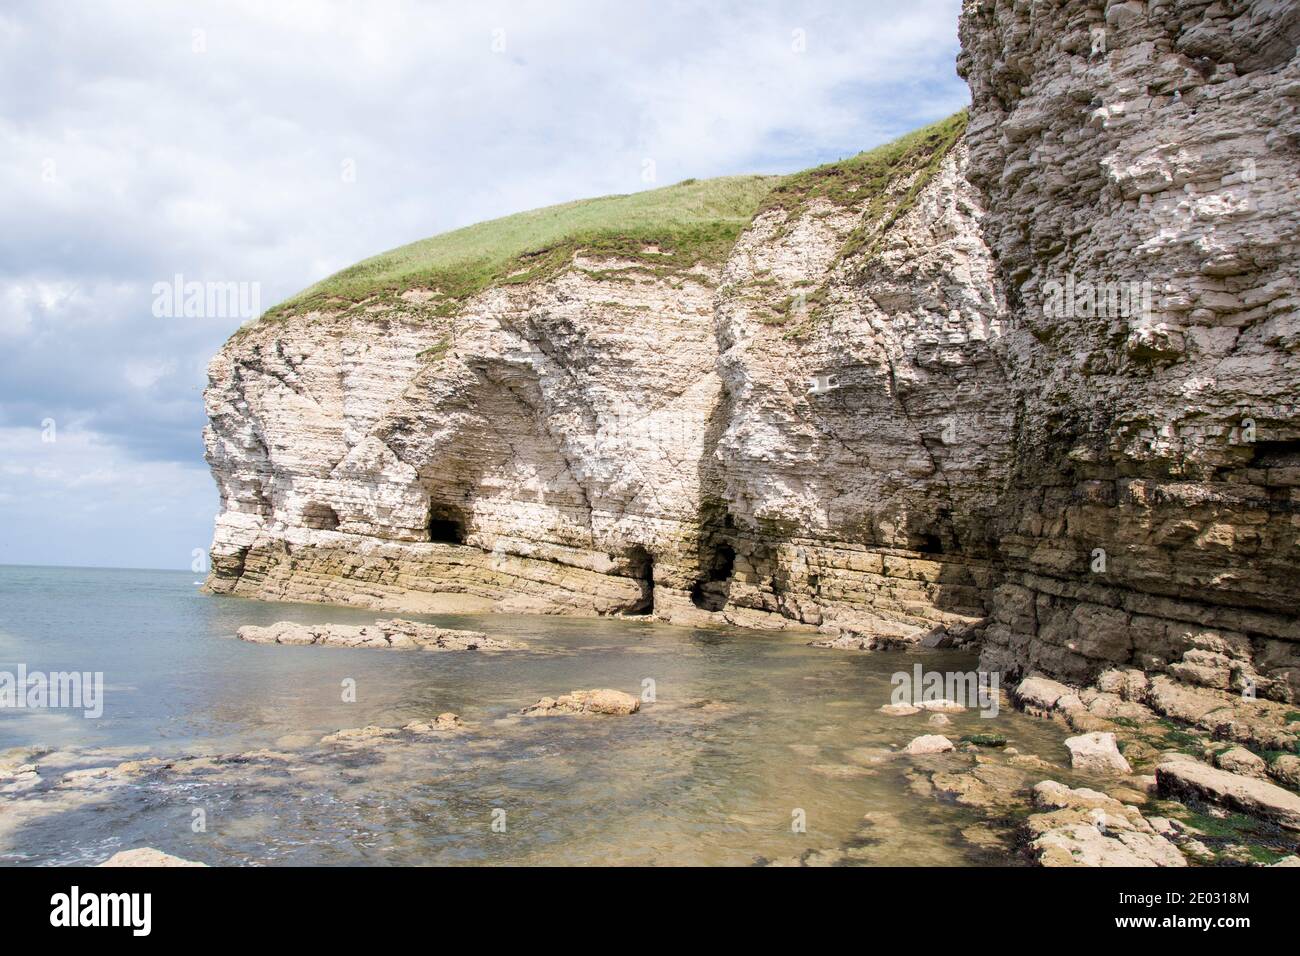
(1097, 753)
(1181, 776)
(584, 703)
(929, 744)
(147, 856)
(396, 633)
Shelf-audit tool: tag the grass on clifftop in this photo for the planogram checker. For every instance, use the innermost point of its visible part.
(869, 174)
(671, 228)
(665, 230)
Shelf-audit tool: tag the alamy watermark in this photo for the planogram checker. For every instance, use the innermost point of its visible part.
(976, 690)
(206, 300)
(58, 690)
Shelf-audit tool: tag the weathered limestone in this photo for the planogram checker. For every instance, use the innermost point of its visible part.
(1082, 827)
(929, 744)
(612, 440)
(1154, 505)
(585, 703)
(396, 633)
(1181, 776)
(1096, 753)
(863, 504)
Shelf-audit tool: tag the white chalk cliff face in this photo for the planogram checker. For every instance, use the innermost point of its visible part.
(861, 420)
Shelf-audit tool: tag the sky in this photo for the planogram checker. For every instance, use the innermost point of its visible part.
(273, 144)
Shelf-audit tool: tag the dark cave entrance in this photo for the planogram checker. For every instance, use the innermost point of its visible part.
(1275, 454)
(710, 592)
(446, 526)
(320, 517)
(929, 544)
(641, 567)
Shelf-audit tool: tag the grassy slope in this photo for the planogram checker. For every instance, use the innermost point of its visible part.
(695, 221)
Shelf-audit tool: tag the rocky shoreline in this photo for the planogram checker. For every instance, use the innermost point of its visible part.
(1185, 777)
(1154, 774)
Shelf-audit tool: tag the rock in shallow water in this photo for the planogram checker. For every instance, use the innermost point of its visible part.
(929, 744)
(584, 702)
(147, 856)
(395, 633)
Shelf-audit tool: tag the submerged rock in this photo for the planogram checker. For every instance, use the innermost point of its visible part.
(900, 710)
(395, 633)
(585, 702)
(147, 856)
(445, 721)
(929, 744)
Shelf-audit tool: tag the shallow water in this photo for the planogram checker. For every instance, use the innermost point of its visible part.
(747, 730)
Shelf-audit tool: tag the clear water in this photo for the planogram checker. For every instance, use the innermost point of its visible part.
(747, 729)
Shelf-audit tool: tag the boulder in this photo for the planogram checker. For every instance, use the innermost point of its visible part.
(1242, 761)
(585, 702)
(1286, 771)
(1182, 776)
(929, 744)
(900, 710)
(1039, 695)
(1097, 753)
(1081, 827)
(941, 706)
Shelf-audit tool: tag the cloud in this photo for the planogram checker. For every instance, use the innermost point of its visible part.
(276, 143)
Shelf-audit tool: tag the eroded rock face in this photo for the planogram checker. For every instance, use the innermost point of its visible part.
(1152, 518)
(620, 440)
(868, 429)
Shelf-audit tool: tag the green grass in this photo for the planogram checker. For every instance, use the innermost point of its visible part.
(868, 175)
(664, 232)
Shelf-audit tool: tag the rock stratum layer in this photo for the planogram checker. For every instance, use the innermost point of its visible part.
(851, 400)
(1152, 511)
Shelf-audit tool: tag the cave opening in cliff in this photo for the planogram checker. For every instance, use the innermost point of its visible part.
(320, 517)
(1275, 454)
(930, 544)
(641, 566)
(445, 525)
(711, 591)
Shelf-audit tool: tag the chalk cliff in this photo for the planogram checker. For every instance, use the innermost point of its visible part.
(861, 400)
